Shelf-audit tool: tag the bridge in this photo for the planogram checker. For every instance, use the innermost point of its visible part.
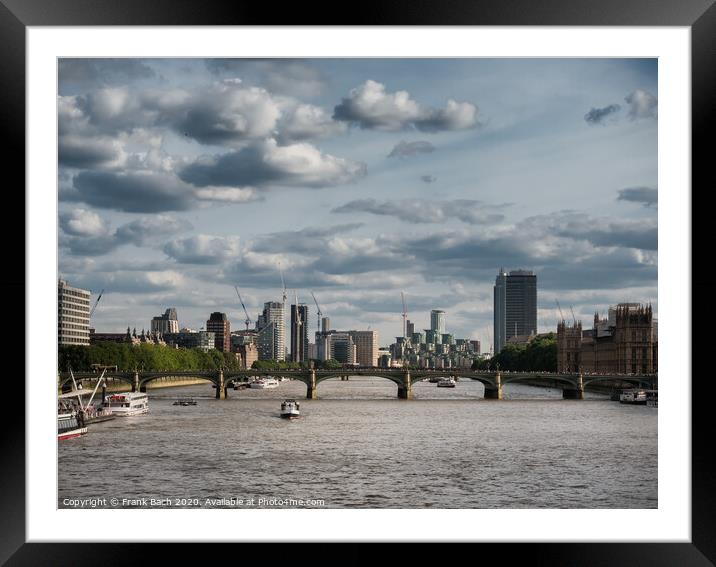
(572, 384)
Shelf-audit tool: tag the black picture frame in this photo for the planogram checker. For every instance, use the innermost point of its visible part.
(699, 15)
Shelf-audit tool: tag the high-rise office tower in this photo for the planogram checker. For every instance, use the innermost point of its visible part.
(498, 314)
(437, 321)
(72, 315)
(218, 323)
(515, 306)
(325, 324)
(299, 332)
(271, 327)
(409, 328)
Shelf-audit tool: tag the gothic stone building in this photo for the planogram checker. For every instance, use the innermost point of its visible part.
(624, 343)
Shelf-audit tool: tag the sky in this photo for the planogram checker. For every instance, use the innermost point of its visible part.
(361, 179)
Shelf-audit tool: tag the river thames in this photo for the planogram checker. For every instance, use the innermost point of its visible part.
(358, 446)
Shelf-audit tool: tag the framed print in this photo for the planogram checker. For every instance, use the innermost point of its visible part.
(436, 242)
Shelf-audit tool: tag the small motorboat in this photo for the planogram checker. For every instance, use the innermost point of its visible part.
(290, 409)
(185, 402)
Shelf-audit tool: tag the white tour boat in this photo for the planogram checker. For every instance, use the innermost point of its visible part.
(128, 403)
(446, 383)
(263, 383)
(290, 409)
(636, 396)
(70, 424)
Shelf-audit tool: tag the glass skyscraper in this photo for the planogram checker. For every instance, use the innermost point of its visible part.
(437, 321)
(515, 306)
(299, 333)
(272, 334)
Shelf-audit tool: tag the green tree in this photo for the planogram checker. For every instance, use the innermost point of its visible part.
(539, 355)
(331, 364)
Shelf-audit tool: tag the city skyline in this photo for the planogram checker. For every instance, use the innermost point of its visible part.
(182, 178)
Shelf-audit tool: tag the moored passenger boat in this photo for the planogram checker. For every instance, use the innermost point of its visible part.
(446, 383)
(70, 425)
(127, 403)
(635, 396)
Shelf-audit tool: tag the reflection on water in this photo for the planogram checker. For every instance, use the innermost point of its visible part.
(359, 446)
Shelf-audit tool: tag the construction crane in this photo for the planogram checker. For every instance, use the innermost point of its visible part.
(248, 319)
(283, 285)
(96, 303)
(573, 317)
(298, 311)
(560, 310)
(318, 309)
(405, 314)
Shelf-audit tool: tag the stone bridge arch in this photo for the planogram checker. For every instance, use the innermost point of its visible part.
(399, 379)
(638, 381)
(320, 377)
(147, 377)
(568, 380)
(491, 382)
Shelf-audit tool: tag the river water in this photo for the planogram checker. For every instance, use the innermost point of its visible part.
(358, 446)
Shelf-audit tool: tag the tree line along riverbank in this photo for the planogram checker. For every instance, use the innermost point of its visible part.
(145, 357)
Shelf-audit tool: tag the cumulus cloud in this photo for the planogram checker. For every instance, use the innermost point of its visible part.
(455, 116)
(227, 194)
(306, 121)
(267, 164)
(642, 104)
(599, 232)
(150, 229)
(147, 191)
(304, 241)
(222, 113)
(370, 106)
(86, 233)
(229, 114)
(88, 245)
(88, 152)
(81, 222)
(405, 149)
(622, 235)
(601, 115)
(203, 249)
(647, 196)
(134, 192)
(422, 211)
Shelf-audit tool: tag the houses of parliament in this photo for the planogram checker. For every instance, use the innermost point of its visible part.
(625, 342)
